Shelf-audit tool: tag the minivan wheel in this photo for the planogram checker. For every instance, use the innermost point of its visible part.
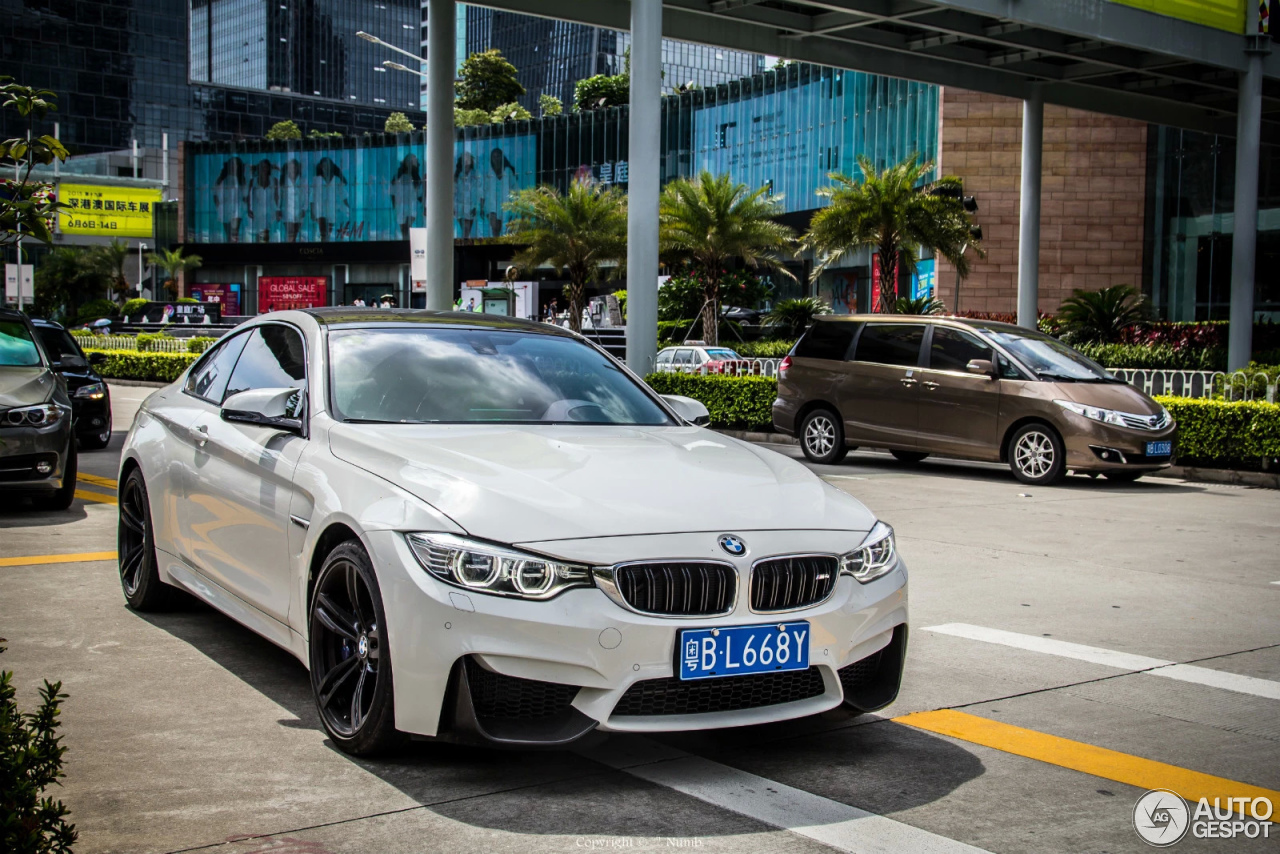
(910, 456)
(1036, 455)
(822, 437)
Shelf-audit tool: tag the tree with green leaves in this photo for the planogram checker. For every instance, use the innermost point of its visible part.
(919, 305)
(65, 280)
(710, 222)
(510, 112)
(27, 207)
(602, 90)
(896, 212)
(173, 264)
(487, 80)
(550, 105)
(284, 130)
(582, 234)
(1102, 316)
(465, 118)
(31, 752)
(398, 123)
(110, 259)
(793, 316)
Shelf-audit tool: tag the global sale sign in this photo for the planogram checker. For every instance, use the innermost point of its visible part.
(279, 293)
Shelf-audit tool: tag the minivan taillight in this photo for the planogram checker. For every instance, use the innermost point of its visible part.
(784, 367)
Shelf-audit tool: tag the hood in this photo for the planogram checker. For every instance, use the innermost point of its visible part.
(25, 386)
(526, 483)
(1121, 397)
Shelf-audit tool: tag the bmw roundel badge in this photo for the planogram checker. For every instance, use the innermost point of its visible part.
(733, 545)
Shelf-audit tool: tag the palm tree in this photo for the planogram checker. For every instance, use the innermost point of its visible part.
(709, 221)
(1102, 315)
(173, 264)
(794, 316)
(897, 213)
(109, 260)
(581, 233)
(919, 305)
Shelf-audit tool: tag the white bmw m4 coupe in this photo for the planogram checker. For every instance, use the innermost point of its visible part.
(488, 530)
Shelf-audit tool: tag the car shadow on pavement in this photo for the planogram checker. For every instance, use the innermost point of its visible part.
(873, 764)
(21, 513)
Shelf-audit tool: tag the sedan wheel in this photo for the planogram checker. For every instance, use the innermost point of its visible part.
(350, 658)
(822, 437)
(135, 542)
(1036, 455)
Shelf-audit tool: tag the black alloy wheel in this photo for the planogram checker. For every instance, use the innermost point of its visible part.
(350, 657)
(135, 543)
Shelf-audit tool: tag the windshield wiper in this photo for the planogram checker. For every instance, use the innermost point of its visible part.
(1049, 375)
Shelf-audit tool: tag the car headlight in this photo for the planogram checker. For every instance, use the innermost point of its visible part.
(487, 568)
(42, 415)
(1093, 413)
(874, 557)
(93, 391)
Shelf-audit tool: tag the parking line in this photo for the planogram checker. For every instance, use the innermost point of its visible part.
(96, 497)
(98, 481)
(832, 823)
(1085, 758)
(1111, 658)
(35, 560)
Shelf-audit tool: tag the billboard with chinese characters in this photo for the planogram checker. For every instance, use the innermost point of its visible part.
(227, 295)
(279, 293)
(321, 195)
(107, 210)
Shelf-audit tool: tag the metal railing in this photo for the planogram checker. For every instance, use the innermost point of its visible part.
(128, 342)
(727, 368)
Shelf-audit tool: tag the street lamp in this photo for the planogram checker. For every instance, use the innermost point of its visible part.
(141, 248)
(375, 40)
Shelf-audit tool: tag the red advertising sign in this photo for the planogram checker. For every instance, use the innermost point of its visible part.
(278, 293)
(226, 295)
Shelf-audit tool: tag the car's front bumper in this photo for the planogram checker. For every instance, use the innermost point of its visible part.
(24, 449)
(1096, 447)
(583, 638)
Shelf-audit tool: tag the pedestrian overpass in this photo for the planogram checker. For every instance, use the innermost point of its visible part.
(1203, 65)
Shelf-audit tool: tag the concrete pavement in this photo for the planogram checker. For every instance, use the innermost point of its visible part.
(186, 731)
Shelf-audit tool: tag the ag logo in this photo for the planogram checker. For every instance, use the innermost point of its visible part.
(1161, 818)
(733, 545)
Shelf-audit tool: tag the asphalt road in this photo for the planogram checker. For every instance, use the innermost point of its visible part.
(1071, 648)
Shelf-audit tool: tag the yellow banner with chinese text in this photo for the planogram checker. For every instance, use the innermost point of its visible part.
(108, 211)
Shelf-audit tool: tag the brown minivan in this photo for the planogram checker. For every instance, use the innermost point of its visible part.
(974, 389)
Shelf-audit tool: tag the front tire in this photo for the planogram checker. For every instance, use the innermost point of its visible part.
(350, 657)
(822, 437)
(136, 545)
(1036, 455)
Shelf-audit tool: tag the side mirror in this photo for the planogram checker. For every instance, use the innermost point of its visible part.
(68, 361)
(689, 409)
(278, 408)
(97, 358)
(982, 366)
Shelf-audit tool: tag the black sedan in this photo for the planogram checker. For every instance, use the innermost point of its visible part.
(90, 397)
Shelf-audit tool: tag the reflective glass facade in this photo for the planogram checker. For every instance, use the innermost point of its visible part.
(1190, 221)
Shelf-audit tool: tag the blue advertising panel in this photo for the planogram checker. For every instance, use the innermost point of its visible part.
(351, 194)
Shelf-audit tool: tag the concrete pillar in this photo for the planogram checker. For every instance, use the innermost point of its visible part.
(642, 189)
(1029, 219)
(1244, 238)
(441, 23)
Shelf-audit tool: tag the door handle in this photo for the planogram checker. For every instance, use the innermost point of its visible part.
(203, 438)
(929, 384)
(907, 381)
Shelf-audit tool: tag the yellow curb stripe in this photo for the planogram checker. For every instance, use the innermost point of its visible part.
(97, 481)
(1085, 758)
(98, 497)
(35, 560)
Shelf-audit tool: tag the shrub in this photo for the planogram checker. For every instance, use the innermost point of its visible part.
(602, 90)
(397, 123)
(284, 130)
(741, 403)
(1104, 315)
(774, 348)
(188, 301)
(94, 309)
(133, 306)
(200, 343)
(793, 316)
(464, 118)
(1157, 356)
(511, 111)
(146, 341)
(30, 761)
(149, 367)
(550, 105)
(919, 305)
(1225, 434)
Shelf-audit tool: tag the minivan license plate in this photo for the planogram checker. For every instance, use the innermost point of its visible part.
(738, 650)
(1159, 449)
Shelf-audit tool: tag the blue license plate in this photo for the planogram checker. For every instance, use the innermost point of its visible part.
(739, 650)
(1159, 449)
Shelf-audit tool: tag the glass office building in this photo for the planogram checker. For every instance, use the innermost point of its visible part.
(340, 209)
(207, 69)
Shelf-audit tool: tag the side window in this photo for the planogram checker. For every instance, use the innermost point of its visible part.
(209, 379)
(952, 350)
(1007, 370)
(826, 340)
(684, 357)
(891, 344)
(273, 357)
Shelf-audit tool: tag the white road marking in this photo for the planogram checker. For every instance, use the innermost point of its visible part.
(1122, 660)
(832, 823)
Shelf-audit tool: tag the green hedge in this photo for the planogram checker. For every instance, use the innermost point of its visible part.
(1224, 434)
(1155, 356)
(738, 403)
(765, 349)
(151, 367)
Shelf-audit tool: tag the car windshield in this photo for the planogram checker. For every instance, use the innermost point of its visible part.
(721, 353)
(57, 343)
(17, 349)
(440, 375)
(1048, 357)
